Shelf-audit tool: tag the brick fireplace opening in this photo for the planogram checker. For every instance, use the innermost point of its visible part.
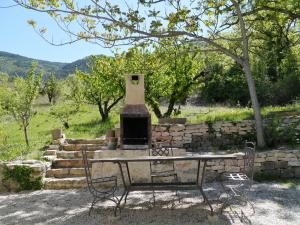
(135, 119)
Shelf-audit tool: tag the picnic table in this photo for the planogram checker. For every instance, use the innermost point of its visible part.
(134, 186)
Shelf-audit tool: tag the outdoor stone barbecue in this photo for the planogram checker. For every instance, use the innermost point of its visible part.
(135, 119)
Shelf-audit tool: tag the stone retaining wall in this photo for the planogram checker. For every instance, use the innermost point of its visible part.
(39, 170)
(278, 163)
(213, 135)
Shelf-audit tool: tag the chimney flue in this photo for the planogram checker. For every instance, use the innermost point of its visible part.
(135, 89)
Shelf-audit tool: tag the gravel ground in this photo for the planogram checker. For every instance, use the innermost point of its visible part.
(276, 204)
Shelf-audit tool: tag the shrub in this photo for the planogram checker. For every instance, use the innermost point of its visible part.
(22, 175)
(277, 134)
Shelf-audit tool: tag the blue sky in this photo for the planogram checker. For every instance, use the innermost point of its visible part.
(16, 36)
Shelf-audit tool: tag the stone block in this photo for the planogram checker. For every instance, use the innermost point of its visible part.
(272, 159)
(291, 156)
(233, 169)
(282, 164)
(270, 154)
(261, 155)
(187, 140)
(287, 173)
(294, 163)
(211, 163)
(230, 162)
(297, 172)
(268, 165)
(172, 120)
(188, 135)
(177, 128)
(259, 160)
(257, 164)
(177, 138)
(159, 128)
(77, 171)
(217, 167)
(38, 168)
(240, 162)
(280, 154)
(164, 134)
(271, 172)
(56, 134)
(177, 134)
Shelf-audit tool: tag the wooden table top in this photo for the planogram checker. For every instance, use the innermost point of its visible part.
(165, 158)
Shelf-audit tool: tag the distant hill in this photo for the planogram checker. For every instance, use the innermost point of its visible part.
(81, 64)
(16, 65)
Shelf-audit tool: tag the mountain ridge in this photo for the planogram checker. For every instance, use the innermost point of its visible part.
(18, 65)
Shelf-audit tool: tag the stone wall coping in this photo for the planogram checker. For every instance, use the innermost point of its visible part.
(279, 150)
(36, 165)
(205, 123)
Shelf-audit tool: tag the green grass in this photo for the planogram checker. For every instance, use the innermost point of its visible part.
(196, 114)
(86, 124)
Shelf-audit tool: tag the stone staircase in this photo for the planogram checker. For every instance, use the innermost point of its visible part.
(67, 169)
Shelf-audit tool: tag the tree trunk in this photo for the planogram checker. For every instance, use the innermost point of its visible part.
(255, 106)
(50, 98)
(104, 116)
(26, 135)
(102, 112)
(251, 85)
(170, 107)
(155, 107)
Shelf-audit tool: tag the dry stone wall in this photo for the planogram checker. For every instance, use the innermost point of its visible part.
(281, 163)
(202, 136)
(278, 163)
(214, 135)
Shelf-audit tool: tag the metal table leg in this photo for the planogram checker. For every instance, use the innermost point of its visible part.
(201, 186)
(126, 188)
(129, 179)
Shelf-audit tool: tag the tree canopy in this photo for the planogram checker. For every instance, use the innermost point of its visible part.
(104, 85)
(207, 22)
(19, 99)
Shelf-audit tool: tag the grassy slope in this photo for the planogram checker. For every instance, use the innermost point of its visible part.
(86, 124)
(200, 114)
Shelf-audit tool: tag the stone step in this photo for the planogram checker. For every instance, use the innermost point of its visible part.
(50, 152)
(79, 147)
(65, 172)
(67, 163)
(65, 183)
(73, 154)
(99, 141)
(53, 147)
(49, 158)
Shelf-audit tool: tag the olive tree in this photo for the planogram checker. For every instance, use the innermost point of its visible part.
(110, 23)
